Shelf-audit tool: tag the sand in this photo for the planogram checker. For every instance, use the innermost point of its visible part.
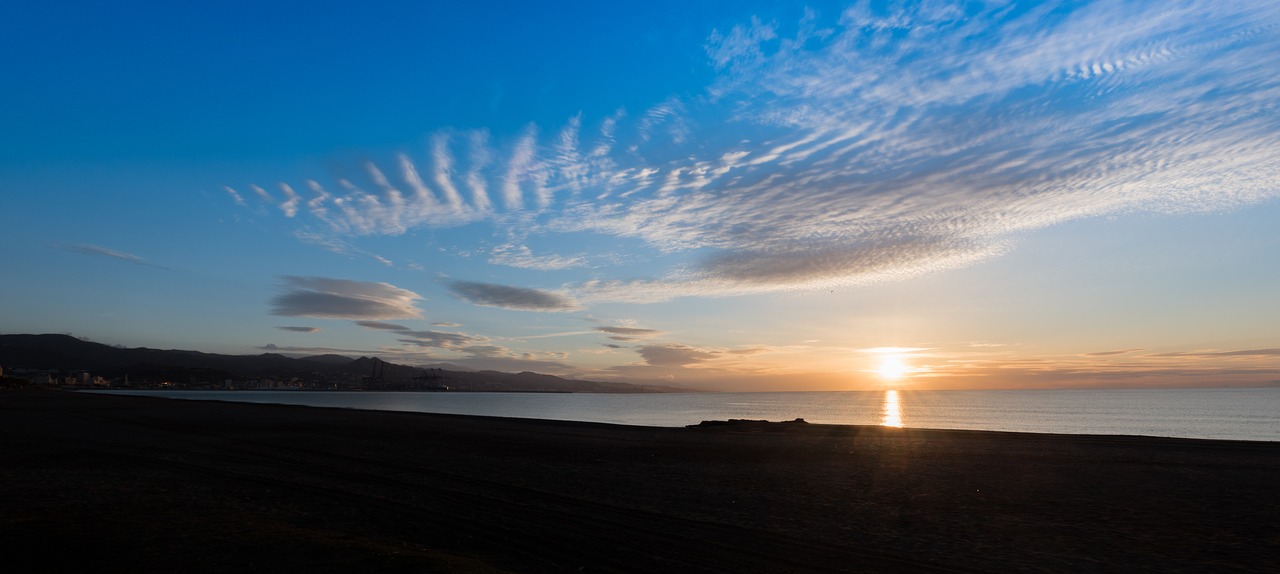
(127, 484)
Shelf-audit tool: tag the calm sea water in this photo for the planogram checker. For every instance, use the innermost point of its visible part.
(1246, 414)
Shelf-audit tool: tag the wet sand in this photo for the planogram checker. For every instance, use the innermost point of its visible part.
(126, 484)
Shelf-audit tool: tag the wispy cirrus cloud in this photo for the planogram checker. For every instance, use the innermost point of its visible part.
(877, 144)
(235, 195)
(262, 194)
(290, 204)
(520, 256)
(99, 251)
(323, 297)
(337, 245)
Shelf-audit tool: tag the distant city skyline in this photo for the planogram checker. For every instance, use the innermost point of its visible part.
(720, 195)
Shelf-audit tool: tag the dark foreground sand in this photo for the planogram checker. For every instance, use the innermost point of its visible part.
(93, 483)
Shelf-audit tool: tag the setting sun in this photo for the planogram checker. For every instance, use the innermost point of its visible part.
(892, 367)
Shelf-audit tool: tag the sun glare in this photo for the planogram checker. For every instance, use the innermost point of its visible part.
(892, 367)
(891, 415)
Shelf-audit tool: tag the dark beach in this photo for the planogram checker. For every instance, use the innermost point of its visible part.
(126, 484)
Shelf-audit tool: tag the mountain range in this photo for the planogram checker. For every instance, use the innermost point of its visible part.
(65, 353)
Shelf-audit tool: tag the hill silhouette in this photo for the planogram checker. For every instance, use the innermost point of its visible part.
(65, 353)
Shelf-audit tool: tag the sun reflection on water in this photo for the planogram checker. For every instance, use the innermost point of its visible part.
(892, 413)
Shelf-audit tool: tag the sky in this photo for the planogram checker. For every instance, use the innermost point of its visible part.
(718, 195)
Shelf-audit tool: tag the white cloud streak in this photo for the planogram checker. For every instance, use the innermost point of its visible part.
(480, 159)
(521, 257)
(290, 205)
(99, 251)
(889, 143)
(442, 176)
(262, 194)
(522, 159)
(235, 195)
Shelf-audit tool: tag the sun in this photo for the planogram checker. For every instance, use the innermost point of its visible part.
(893, 364)
(892, 367)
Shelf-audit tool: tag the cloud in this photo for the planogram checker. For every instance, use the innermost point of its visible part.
(885, 143)
(628, 334)
(669, 113)
(632, 332)
(446, 324)
(274, 348)
(521, 257)
(1238, 353)
(86, 249)
(489, 351)
(336, 245)
(300, 329)
(381, 326)
(892, 350)
(741, 45)
(519, 168)
(235, 195)
(344, 299)
(316, 205)
(1111, 353)
(673, 355)
(613, 346)
(442, 175)
(262, 194)
(490, 295)
(789, 266)
(555, 334)
(481, 354)
(516, 363)
(290, 205)
(481, 156)
(440, 339)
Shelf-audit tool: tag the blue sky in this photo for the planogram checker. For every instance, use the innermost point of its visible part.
(717, 194)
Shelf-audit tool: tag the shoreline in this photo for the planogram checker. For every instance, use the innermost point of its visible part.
(137, 483)
(633, 414)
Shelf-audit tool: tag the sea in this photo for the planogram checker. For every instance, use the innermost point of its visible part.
(1217, 413)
